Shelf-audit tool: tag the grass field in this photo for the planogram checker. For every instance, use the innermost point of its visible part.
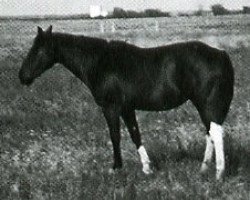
(55, 143)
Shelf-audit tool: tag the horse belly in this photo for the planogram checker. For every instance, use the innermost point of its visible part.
(158, 102)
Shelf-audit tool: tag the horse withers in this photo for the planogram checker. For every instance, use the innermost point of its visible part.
(123, 78)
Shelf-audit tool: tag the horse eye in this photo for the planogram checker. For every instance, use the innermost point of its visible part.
(40, 52)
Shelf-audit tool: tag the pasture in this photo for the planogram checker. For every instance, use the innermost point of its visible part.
(55, 143)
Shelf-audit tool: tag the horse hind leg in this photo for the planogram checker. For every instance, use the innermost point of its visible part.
(213, 114)
(216, 132)
(208, 154)
(131, 123)
(213, 117)
(214, 142)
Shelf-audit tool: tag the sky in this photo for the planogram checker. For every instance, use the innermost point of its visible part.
(64, 7)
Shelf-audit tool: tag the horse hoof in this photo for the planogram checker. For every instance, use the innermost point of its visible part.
(204, 169)
(111, 171)
(117, 166)
(147, 171)
(220, 175)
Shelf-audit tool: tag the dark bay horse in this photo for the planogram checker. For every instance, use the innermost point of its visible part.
(123, 78)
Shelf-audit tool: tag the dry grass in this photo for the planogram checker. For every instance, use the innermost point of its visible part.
(55, 143)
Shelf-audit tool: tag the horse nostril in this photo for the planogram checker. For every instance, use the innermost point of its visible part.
(21, 75)
(25, 78)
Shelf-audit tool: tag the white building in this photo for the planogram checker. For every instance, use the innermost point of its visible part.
(96, 11)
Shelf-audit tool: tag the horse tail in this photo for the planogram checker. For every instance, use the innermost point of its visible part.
(228, 72)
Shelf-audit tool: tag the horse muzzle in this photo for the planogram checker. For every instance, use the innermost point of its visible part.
(24, 79)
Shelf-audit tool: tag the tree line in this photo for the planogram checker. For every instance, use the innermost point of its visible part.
(216, 9)
(121, 13)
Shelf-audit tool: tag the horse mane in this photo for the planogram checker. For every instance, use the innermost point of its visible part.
(81, 41)
(85, 42)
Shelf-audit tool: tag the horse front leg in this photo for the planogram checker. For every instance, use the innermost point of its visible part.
(129, 119)
(112, 117)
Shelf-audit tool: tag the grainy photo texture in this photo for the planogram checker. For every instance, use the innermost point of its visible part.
(124, 99)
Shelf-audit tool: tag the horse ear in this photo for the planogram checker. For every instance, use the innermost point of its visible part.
(49, 30)
(39, 30)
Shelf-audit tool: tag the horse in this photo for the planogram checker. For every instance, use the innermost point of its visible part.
(123, 78)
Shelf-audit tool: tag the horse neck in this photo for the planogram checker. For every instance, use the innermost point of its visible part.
(79, 54)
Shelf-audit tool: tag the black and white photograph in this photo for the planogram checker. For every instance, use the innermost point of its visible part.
(124, 100)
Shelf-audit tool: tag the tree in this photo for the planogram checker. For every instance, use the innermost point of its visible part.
(119, 13)
(134, 14)
(246, 10)
(155, 13)
(218, 9)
